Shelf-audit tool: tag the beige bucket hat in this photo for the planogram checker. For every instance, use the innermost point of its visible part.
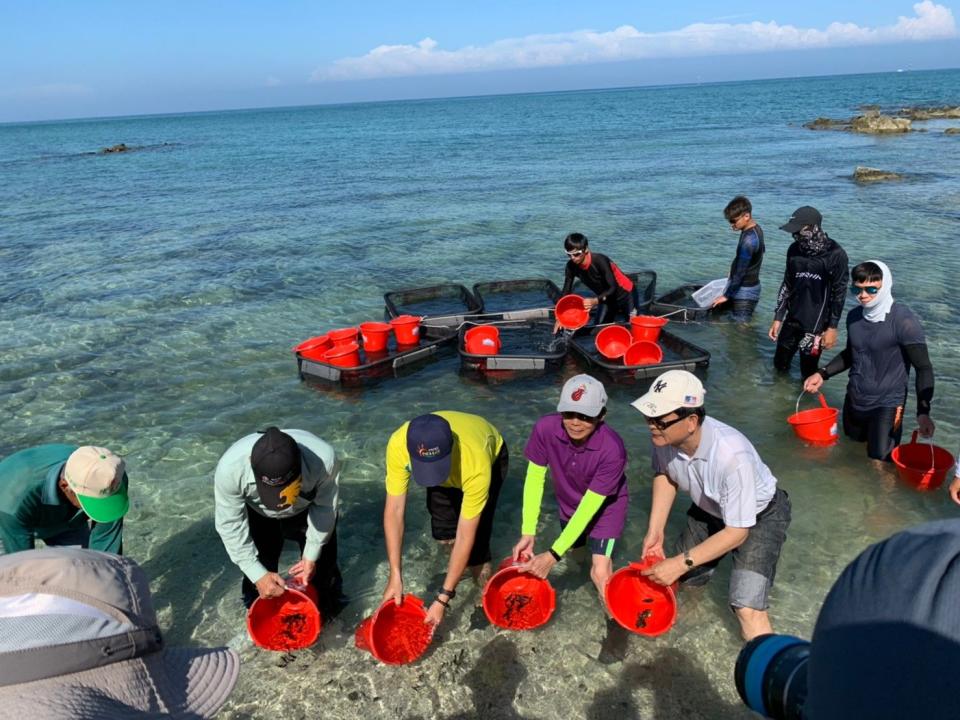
(79, 639)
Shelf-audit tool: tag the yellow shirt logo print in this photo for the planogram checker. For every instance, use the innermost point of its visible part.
(290, 493)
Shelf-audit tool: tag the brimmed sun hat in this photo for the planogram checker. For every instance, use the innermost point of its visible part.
(79, 639)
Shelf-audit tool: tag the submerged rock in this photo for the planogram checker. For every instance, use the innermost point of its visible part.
(931, 113)
(822, 123)
(863, 174)
(118, 148)
(952, 131)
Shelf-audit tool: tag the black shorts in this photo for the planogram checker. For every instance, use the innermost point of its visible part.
(443, 504)
(880, 428)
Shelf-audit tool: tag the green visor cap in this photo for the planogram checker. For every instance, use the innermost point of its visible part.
(107, 509)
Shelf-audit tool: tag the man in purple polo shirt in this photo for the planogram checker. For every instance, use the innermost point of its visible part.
(587, 462)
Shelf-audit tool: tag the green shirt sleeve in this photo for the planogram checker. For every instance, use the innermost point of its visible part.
(532, 496)
(107, 537)
(14, 537)
(589, 504)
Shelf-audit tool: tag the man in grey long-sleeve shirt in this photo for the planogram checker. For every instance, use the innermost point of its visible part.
(274, 486)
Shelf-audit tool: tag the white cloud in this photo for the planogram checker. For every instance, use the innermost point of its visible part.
(929, 22)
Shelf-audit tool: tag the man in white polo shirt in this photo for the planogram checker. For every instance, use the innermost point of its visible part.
(737, 507)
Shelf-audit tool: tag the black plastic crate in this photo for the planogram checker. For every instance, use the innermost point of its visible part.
(525, 345)
(443, 305)
(678, 354)
(680, 306)
(526, 299)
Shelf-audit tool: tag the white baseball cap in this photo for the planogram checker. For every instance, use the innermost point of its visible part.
(583, 394)
(672, 390)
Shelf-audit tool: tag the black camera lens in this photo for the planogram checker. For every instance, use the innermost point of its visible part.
(771, 676)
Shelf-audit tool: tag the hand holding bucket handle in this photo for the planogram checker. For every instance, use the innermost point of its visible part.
(823, 400)
(933, 456)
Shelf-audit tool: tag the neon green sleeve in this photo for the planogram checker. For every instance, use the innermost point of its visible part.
(532, 495)
(589, 504)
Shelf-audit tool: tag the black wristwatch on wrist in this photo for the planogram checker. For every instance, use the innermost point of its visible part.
(687, 560)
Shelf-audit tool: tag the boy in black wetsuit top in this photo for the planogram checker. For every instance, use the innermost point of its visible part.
(743, 284)
(810, 301)
(615, 291)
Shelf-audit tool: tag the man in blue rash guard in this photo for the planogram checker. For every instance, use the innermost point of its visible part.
(743, 285)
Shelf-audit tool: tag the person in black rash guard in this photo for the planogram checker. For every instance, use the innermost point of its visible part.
(810, 301)
(884, 338)
(615, 291)
(743, 284)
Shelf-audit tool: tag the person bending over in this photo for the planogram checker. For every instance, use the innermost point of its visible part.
(461, 460)
(615, 292)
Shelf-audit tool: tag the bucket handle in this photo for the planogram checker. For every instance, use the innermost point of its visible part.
(933, 456)
(823, 403)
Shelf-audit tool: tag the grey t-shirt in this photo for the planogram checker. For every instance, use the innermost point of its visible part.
(879, 368)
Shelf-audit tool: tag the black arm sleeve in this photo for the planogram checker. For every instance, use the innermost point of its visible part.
(839, 363)
(920, 359)
(567, 279)
(838, 287)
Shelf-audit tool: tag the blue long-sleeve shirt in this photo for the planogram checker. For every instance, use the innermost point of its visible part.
(31, 506)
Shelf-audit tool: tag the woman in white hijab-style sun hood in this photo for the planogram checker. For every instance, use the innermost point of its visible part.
(884, 340)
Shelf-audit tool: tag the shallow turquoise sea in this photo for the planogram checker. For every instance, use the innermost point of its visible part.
(150, 301)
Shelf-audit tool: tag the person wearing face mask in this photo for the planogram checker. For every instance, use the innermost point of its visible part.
(884, 339)
(811, 297)
(616, 293)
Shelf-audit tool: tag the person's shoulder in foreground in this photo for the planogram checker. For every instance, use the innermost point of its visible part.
(79, 640)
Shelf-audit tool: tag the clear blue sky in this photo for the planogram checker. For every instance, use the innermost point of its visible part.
(83, 58)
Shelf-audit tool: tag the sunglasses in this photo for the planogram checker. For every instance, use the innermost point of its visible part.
(733, 223)
(574, 253)
(854, 290)
(570, 415)
(662, 425)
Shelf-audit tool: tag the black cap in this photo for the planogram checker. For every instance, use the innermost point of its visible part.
(802, 217)
(275, 460)
(430, 444)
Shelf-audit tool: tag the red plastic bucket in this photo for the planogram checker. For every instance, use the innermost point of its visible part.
(375, 336)
(343, 336)
(517, 600)
(407, 329)
(396, 634)
(646, 327)
(613, 341)
(923, 465)
(347, 356)
(314, 348)
(643, 352)
(571, 312)
(817, 426)
(638, 603)
(288, 622)
(482, 340)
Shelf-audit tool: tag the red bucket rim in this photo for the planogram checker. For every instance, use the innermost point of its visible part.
(341, 350)
(633, 623)
(571, 312)
(540, 588)
(375, 326)
(615, 335)
(649, 321)
(640, 345)
(406, 320)
(410, 606)
(263, 605)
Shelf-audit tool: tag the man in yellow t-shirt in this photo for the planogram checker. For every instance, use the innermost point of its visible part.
(461, 460)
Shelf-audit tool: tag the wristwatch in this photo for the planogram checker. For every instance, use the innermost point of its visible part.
(687, 560)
